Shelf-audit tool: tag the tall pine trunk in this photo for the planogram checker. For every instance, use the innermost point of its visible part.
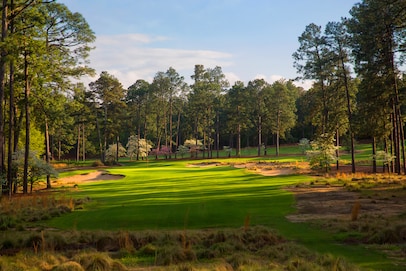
(18, 124)
(238, 133)
(105, 134)
(3, 54)
(278, 121)
(350, 118)
(10, 171)
(27, 124)
(83, 143)
(337, 150)
(217, 134)
(138, 132)
(374, 155)
(99, 137)
(259, 135)
(170, 127)
(78, 144)
(47, 151)
(238, 140)
(117, 147)
(177, 133)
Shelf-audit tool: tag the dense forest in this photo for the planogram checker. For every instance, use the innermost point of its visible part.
(45, 115)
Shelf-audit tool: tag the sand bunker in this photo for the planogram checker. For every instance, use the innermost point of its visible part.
(87, 177)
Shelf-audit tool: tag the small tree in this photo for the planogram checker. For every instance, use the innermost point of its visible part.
(163, 150)
(132, 147)
(384, 157)
(111, 153)
(182, 150)
(138, 147)
(194, 146)
(228, 150)
(37, 168)
(304, 145)
(322, 153)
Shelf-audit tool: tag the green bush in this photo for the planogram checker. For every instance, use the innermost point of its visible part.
(172, 254)
(97, 163)
(7, 222)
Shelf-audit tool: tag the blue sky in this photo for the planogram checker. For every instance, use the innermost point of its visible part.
(249, 39)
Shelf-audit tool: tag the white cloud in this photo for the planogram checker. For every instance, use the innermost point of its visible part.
(133, 38)
(270, 79)
(232, 77)
(133, 56)
(305, 84)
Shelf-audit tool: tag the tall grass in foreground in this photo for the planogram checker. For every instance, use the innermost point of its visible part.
(255, 248)
(16, 212)
(86, 261)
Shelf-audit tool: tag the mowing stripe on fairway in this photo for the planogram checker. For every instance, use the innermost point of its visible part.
(169, 195)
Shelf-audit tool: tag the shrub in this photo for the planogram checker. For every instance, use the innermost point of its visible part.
(389, 235)
(57, 241)
(182, 150)
(125, 242)
(173, 254)
(107, 243)
(97, 163)
(7, 222)
(322, 153)
(34, 240)
(148, 250)
(304, 145)
(111, 153)
(7, 244)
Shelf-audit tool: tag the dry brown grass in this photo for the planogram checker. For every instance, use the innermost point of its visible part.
(254, 248)
(355, 211)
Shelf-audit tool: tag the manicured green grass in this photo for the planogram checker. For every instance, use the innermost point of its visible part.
(363, 155)
(170, 195)
(74, 172)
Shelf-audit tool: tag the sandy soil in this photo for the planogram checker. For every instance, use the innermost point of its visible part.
(99, 175)
(321, 202)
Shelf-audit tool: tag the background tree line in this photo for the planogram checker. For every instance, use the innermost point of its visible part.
(357, 92)
(167, 112)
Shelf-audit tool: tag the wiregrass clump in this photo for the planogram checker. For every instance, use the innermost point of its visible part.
(98, 261)
(68, 266)
(255, 248)
(86, 261)
(17, 211)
